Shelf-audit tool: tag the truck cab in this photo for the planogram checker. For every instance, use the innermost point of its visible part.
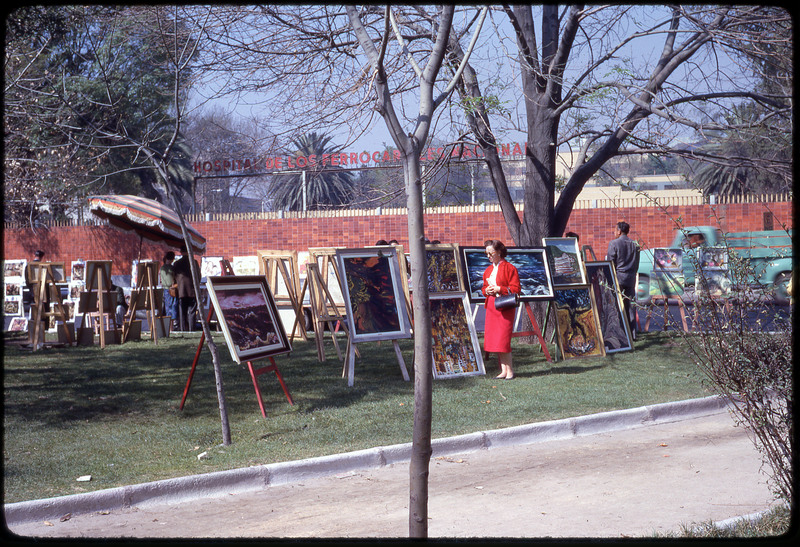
(768, 255)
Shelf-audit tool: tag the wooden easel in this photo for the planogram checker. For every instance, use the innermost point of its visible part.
(45, 287)
(324, 309)
(665, 300)
(284, 263)
(98, 298)
(254, 373)
(145, 294)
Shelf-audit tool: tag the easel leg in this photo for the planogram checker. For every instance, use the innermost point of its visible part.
(400, 360)
(536, 329)
(351, 364)
(196, 359)
(273, 367)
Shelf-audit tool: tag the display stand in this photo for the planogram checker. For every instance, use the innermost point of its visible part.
(656, 299)
(588, 251)
(272, 367)
(97, 300)
(254, 373)
(325, 311)
(350, 362)
(284, 263)
(536, 330)
(45, 294)
(147, 295)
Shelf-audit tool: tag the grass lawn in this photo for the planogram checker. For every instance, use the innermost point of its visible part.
(114, 413)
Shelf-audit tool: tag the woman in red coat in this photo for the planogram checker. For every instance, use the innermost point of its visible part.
(499, 279)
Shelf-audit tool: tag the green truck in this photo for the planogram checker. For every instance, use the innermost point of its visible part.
(769, 254)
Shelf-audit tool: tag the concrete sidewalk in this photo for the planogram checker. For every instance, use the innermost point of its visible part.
(614, 474)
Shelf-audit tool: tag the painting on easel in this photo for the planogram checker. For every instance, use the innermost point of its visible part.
(456, 351)
(373, 294)
(566, 261)
(249, 317)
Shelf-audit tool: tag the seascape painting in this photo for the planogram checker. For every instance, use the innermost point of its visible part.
(374, 297)
(248, 317)
(578, 332)
(456, 351)
(535, 280)
(566, 261)
(610, 309)
(475, 262)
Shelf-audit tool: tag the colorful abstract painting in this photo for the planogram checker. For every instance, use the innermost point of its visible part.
(456, 351)
(373, 294)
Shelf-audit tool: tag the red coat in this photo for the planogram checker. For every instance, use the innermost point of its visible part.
(500, 323)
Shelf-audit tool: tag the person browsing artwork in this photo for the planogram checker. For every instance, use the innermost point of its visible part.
(500, 278)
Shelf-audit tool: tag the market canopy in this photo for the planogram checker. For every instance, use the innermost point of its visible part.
(148, 218)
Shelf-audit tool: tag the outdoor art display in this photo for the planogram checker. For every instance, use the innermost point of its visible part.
(13, 281)
(615, 329)
(444, 275)
(456, 351)
(667, 278)
(713, 278)
(566, 262)
(248, 316)
(373, 294)
(578, 331)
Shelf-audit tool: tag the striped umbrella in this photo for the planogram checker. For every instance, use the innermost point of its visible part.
(146, 217)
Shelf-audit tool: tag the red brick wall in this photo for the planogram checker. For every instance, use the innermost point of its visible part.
(652, 226)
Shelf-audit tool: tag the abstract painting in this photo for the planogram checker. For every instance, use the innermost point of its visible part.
(373, 294)
(444, 275)
(456, 351)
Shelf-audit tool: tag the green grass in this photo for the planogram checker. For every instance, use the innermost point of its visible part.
(113, 413)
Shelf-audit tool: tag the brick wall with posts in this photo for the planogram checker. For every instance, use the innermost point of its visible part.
(244, 234)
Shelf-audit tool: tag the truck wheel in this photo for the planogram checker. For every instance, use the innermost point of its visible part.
(781, 286)
(643, 290)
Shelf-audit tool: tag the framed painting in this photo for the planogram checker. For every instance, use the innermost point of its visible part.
(14, 268)
(578, 332)
(211, 266)
(535, 279)
(668, 259)
(444, 274)
(713, 282)
(373, 294)
(616, 331)
(712, 258)
(78, 271)
(456, 350)
(245, 265)
(474, 262)
(18, 324)
(248, 316)
(566, 262)
(667, 283)
(12, 306)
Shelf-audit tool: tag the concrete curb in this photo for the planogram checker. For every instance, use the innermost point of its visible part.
(262, 476)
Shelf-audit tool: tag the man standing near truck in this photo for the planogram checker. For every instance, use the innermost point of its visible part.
(624, 253)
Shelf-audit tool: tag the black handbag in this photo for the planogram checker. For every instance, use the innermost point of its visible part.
(510, 300)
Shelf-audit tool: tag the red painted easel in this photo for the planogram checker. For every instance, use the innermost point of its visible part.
(536, 330)
(273, 367)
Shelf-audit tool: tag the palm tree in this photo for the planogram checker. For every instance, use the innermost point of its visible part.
(326, 186)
